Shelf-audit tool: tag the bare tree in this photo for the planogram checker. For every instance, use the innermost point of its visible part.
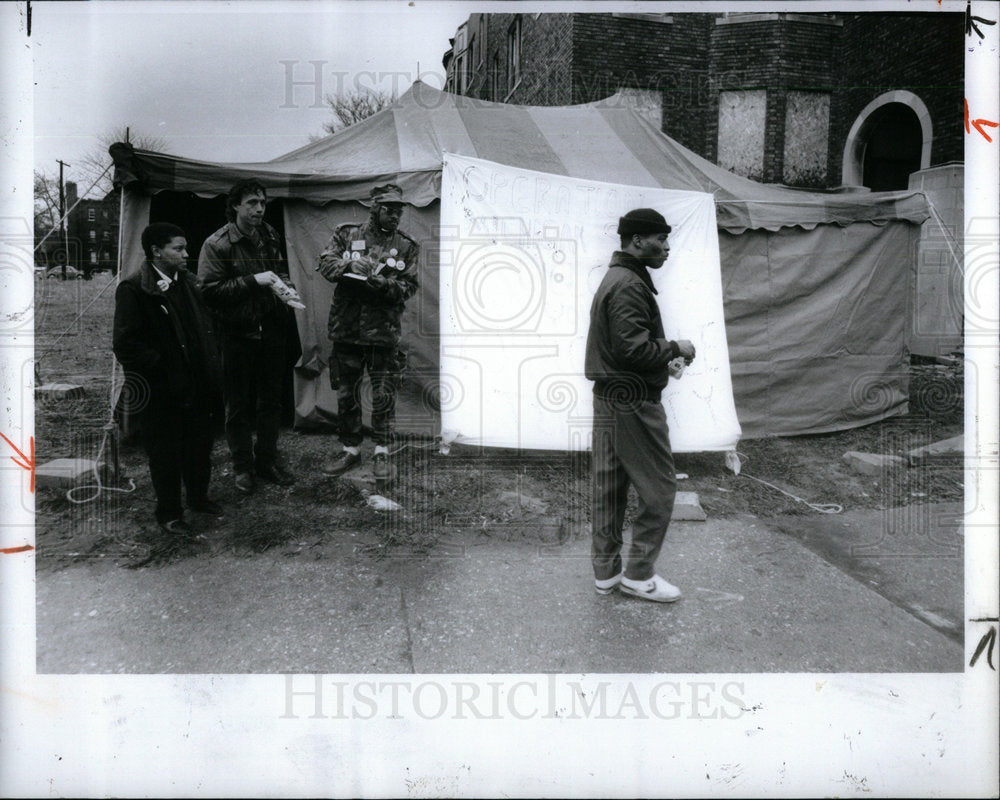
(46, 203)
(93, 163)
(351, 107)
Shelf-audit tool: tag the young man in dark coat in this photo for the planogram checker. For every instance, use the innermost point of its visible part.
(374, 267)
(629, 359)
(164, 340)
(240, 267)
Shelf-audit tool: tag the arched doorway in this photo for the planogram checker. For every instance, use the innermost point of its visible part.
(892, 148)
(890, 139)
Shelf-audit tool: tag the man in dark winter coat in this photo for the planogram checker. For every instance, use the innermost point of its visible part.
(241, 269)
(629, 361)
(164, 340)
(374, 267)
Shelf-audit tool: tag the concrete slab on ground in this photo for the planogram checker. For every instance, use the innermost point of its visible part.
(945, 450)
(64, 473)
(687, 508)
(755, 600)
(59, 391)
(872, 463)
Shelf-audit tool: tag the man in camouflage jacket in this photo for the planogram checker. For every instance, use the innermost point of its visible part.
(374, 269)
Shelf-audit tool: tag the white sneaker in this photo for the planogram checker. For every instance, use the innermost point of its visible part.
(608, 585)
(656, 589)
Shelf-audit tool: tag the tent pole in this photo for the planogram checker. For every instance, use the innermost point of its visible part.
(118, 279)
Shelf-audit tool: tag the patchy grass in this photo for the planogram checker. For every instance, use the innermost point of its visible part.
(468, 497)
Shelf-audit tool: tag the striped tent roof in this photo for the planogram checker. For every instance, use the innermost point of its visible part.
(605, 141)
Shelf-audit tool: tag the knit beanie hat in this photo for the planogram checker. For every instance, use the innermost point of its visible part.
(642, 221)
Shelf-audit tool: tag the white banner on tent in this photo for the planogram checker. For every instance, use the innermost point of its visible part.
(522, 254)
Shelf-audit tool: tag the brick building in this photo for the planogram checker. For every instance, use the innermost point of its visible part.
(810, 100)
(92, 229)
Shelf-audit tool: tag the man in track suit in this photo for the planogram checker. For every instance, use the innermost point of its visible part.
(628, 359)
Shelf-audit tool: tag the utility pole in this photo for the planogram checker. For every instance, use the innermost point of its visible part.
(62, 218)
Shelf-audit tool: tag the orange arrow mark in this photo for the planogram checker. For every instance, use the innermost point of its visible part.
(978, 124)
(26, 462)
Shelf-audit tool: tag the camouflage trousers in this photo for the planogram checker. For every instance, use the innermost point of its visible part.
(384, 367)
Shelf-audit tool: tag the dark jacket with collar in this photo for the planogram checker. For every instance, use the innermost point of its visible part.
(171, 359)
(226, 266)
(627, 354)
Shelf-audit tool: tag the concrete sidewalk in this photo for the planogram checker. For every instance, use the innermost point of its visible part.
(912, 556)
(755, 600)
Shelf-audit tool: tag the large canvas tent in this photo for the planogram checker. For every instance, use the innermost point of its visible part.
(816, 286)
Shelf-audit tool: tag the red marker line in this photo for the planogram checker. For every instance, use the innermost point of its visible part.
(26, 462)
(22, 549)
(978, 124)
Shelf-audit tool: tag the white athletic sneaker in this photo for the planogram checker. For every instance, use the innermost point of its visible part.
(656, 589)
(608, 585)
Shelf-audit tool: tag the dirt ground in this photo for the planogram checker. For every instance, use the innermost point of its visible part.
(466, 494)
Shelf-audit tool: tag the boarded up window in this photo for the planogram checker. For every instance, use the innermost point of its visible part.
(741, 132)
(807, 126)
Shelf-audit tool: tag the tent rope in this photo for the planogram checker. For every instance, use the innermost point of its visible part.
(76, 319)
(98, 487)
(947, 236)
(109, 427)
(822, 508)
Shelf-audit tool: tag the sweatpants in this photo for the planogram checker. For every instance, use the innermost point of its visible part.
(630, 446)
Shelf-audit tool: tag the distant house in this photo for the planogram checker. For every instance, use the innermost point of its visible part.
(812, 100)
(92, 230)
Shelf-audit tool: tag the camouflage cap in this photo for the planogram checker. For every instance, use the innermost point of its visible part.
(389, 193)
